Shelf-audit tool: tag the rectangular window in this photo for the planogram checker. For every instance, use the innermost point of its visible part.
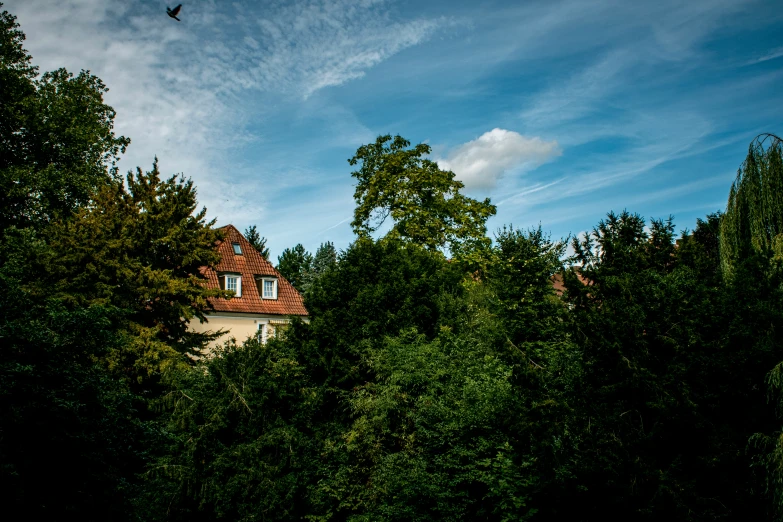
(237, 249)
(234, 283)
(277, 330)
(267, 287)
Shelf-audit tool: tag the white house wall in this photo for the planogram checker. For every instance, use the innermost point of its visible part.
(238, 326)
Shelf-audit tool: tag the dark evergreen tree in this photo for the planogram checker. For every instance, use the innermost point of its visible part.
(140, 246)
(324, 259)
(294, 264)
(668, 395)
(71, 442)
(257, 240)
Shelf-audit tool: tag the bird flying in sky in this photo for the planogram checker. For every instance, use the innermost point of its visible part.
(174, 12)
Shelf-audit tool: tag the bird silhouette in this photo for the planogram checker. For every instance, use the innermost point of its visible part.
(174, 12)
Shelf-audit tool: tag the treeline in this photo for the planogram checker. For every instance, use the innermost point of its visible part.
(643, 385)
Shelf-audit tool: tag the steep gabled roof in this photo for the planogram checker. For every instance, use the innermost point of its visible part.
(250, 264)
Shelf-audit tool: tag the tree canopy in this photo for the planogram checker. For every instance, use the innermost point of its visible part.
(423, 201)
(646, 386)
(294, 264)
(754, 213)
(56, 138)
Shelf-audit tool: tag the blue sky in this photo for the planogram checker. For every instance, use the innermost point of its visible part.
(559, 111)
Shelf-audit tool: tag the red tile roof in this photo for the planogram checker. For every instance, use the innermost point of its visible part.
(559, 285)
(250, 264)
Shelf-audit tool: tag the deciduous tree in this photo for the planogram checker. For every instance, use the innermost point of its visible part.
(57, 142)
(423, 201)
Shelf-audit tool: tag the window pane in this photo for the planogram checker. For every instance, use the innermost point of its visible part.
(231, 283)
(237, 249)
(269, 289)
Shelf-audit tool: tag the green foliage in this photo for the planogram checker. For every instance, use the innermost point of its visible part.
(700, 249)
(753, 221)
(70, 443)
(241, 444)
(56, 137)
(140, 247)
(375, 290)
(521, 279)
(430, 438)
(421, 388)
(17, 88)
(294, 264)
(666, 416)
(325, 258)
(258, 241)
(424, 201)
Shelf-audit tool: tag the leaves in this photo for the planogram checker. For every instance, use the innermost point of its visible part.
(423, 201)
(754, 213)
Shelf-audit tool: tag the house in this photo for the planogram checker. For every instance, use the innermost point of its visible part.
(559, 285)
(264, 302)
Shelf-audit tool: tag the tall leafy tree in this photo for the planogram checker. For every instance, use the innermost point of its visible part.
(751, 249)
(17, 88)
(294, 264)
(57, 138)
(257, 240)
(753, 221)
(423, 201)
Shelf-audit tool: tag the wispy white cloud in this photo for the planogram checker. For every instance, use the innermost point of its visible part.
(772, 54)
(261, 103)
(303, 46)
(193, 92)
(527, 191)
(480, 163)
(581, 94)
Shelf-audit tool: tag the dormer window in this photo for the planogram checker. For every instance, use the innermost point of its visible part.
(267, 287)
(237, 249)
(232, 282)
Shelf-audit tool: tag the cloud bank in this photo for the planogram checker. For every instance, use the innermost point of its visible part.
(480, 163)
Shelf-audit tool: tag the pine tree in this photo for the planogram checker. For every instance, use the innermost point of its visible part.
(257, 240)
(294, 264)
(325, 258)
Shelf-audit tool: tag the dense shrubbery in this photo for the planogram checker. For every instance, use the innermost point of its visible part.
(421, 389)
